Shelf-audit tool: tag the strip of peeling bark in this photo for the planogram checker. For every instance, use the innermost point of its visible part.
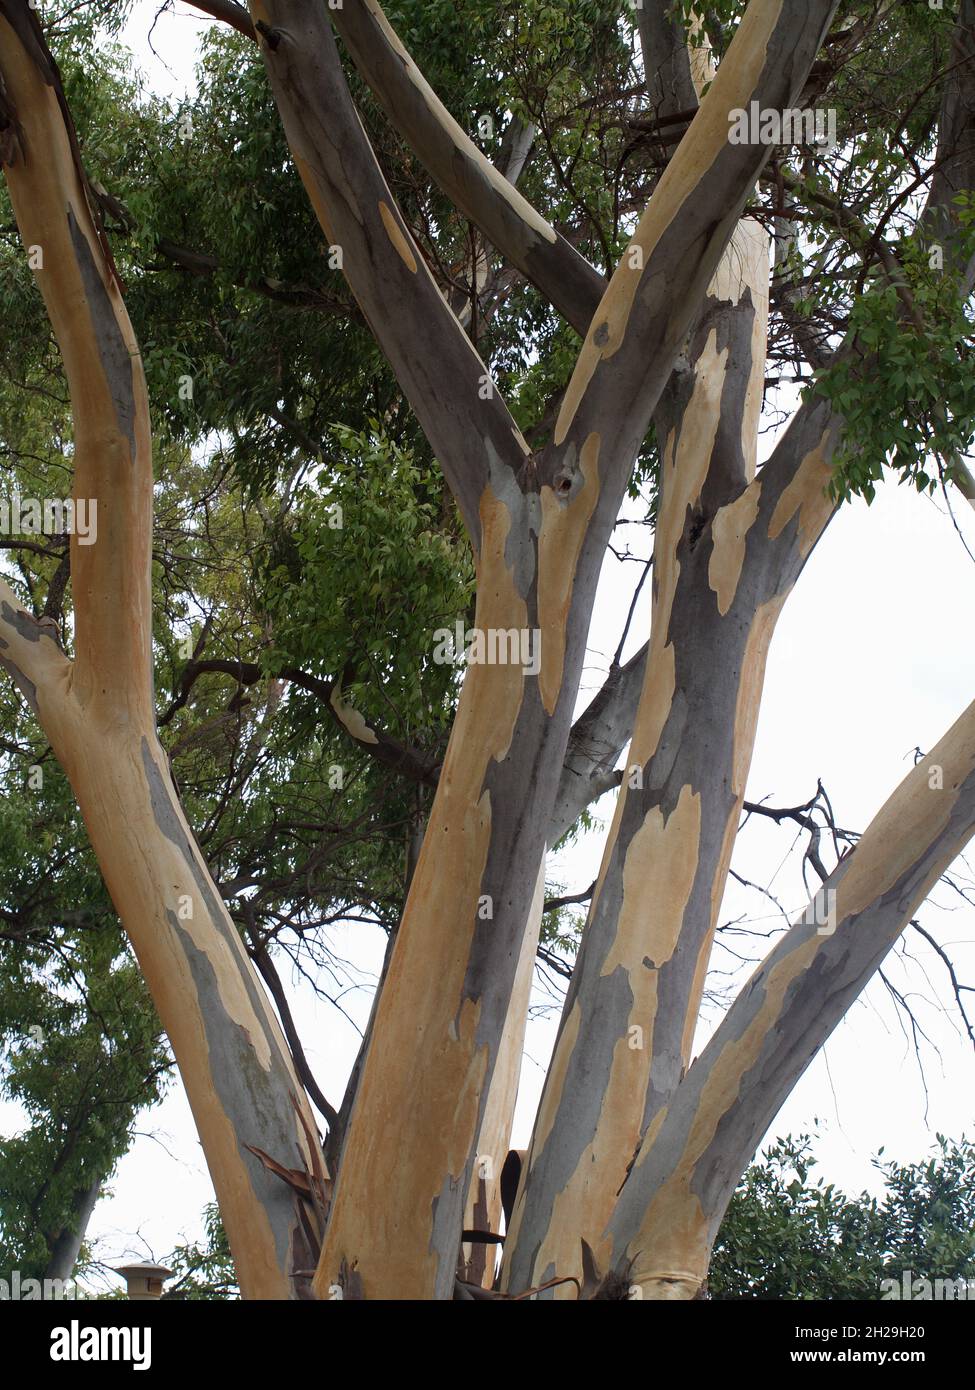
(663, 1229)
(98, 711)
(543, 537)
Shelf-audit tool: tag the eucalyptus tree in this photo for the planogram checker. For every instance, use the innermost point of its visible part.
(637, 1146)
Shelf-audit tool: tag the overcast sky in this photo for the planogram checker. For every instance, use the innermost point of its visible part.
(873, 657)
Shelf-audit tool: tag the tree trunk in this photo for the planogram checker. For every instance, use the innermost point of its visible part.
(98, 710)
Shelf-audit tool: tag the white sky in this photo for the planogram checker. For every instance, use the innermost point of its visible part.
(873, 656)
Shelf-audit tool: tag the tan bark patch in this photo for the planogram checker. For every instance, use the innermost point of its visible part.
(395, 233)
(729, 533)
(311, 181)
(805, 494)
(564, 528)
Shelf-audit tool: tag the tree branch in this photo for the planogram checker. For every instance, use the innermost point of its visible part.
(444, 379)
(656, 289)
(463, 172)
(112, 441)
(666, 61)
(683, 1176)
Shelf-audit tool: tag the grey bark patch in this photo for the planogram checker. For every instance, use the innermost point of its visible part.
(446, 1222)
(524, 509)
(606, 1002)
(257, 1101)
(28, 627)
(243, 1090)
(547, 1295)
(115, 357)
(26, 686)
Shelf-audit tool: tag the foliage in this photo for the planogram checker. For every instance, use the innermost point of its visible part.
(787, 1236)
(912, 404)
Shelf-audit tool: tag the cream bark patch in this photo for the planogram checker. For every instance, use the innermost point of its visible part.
(750, 244)
(395, 233)
(351, 719)
(665, 854)
(805, 494)
(564, 528)
(729, 533)
(750, 688)
(655, 702)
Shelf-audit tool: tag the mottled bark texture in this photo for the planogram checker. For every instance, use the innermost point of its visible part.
(663, 1228)
(676, 336)
(99, 715)
(539, 526)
